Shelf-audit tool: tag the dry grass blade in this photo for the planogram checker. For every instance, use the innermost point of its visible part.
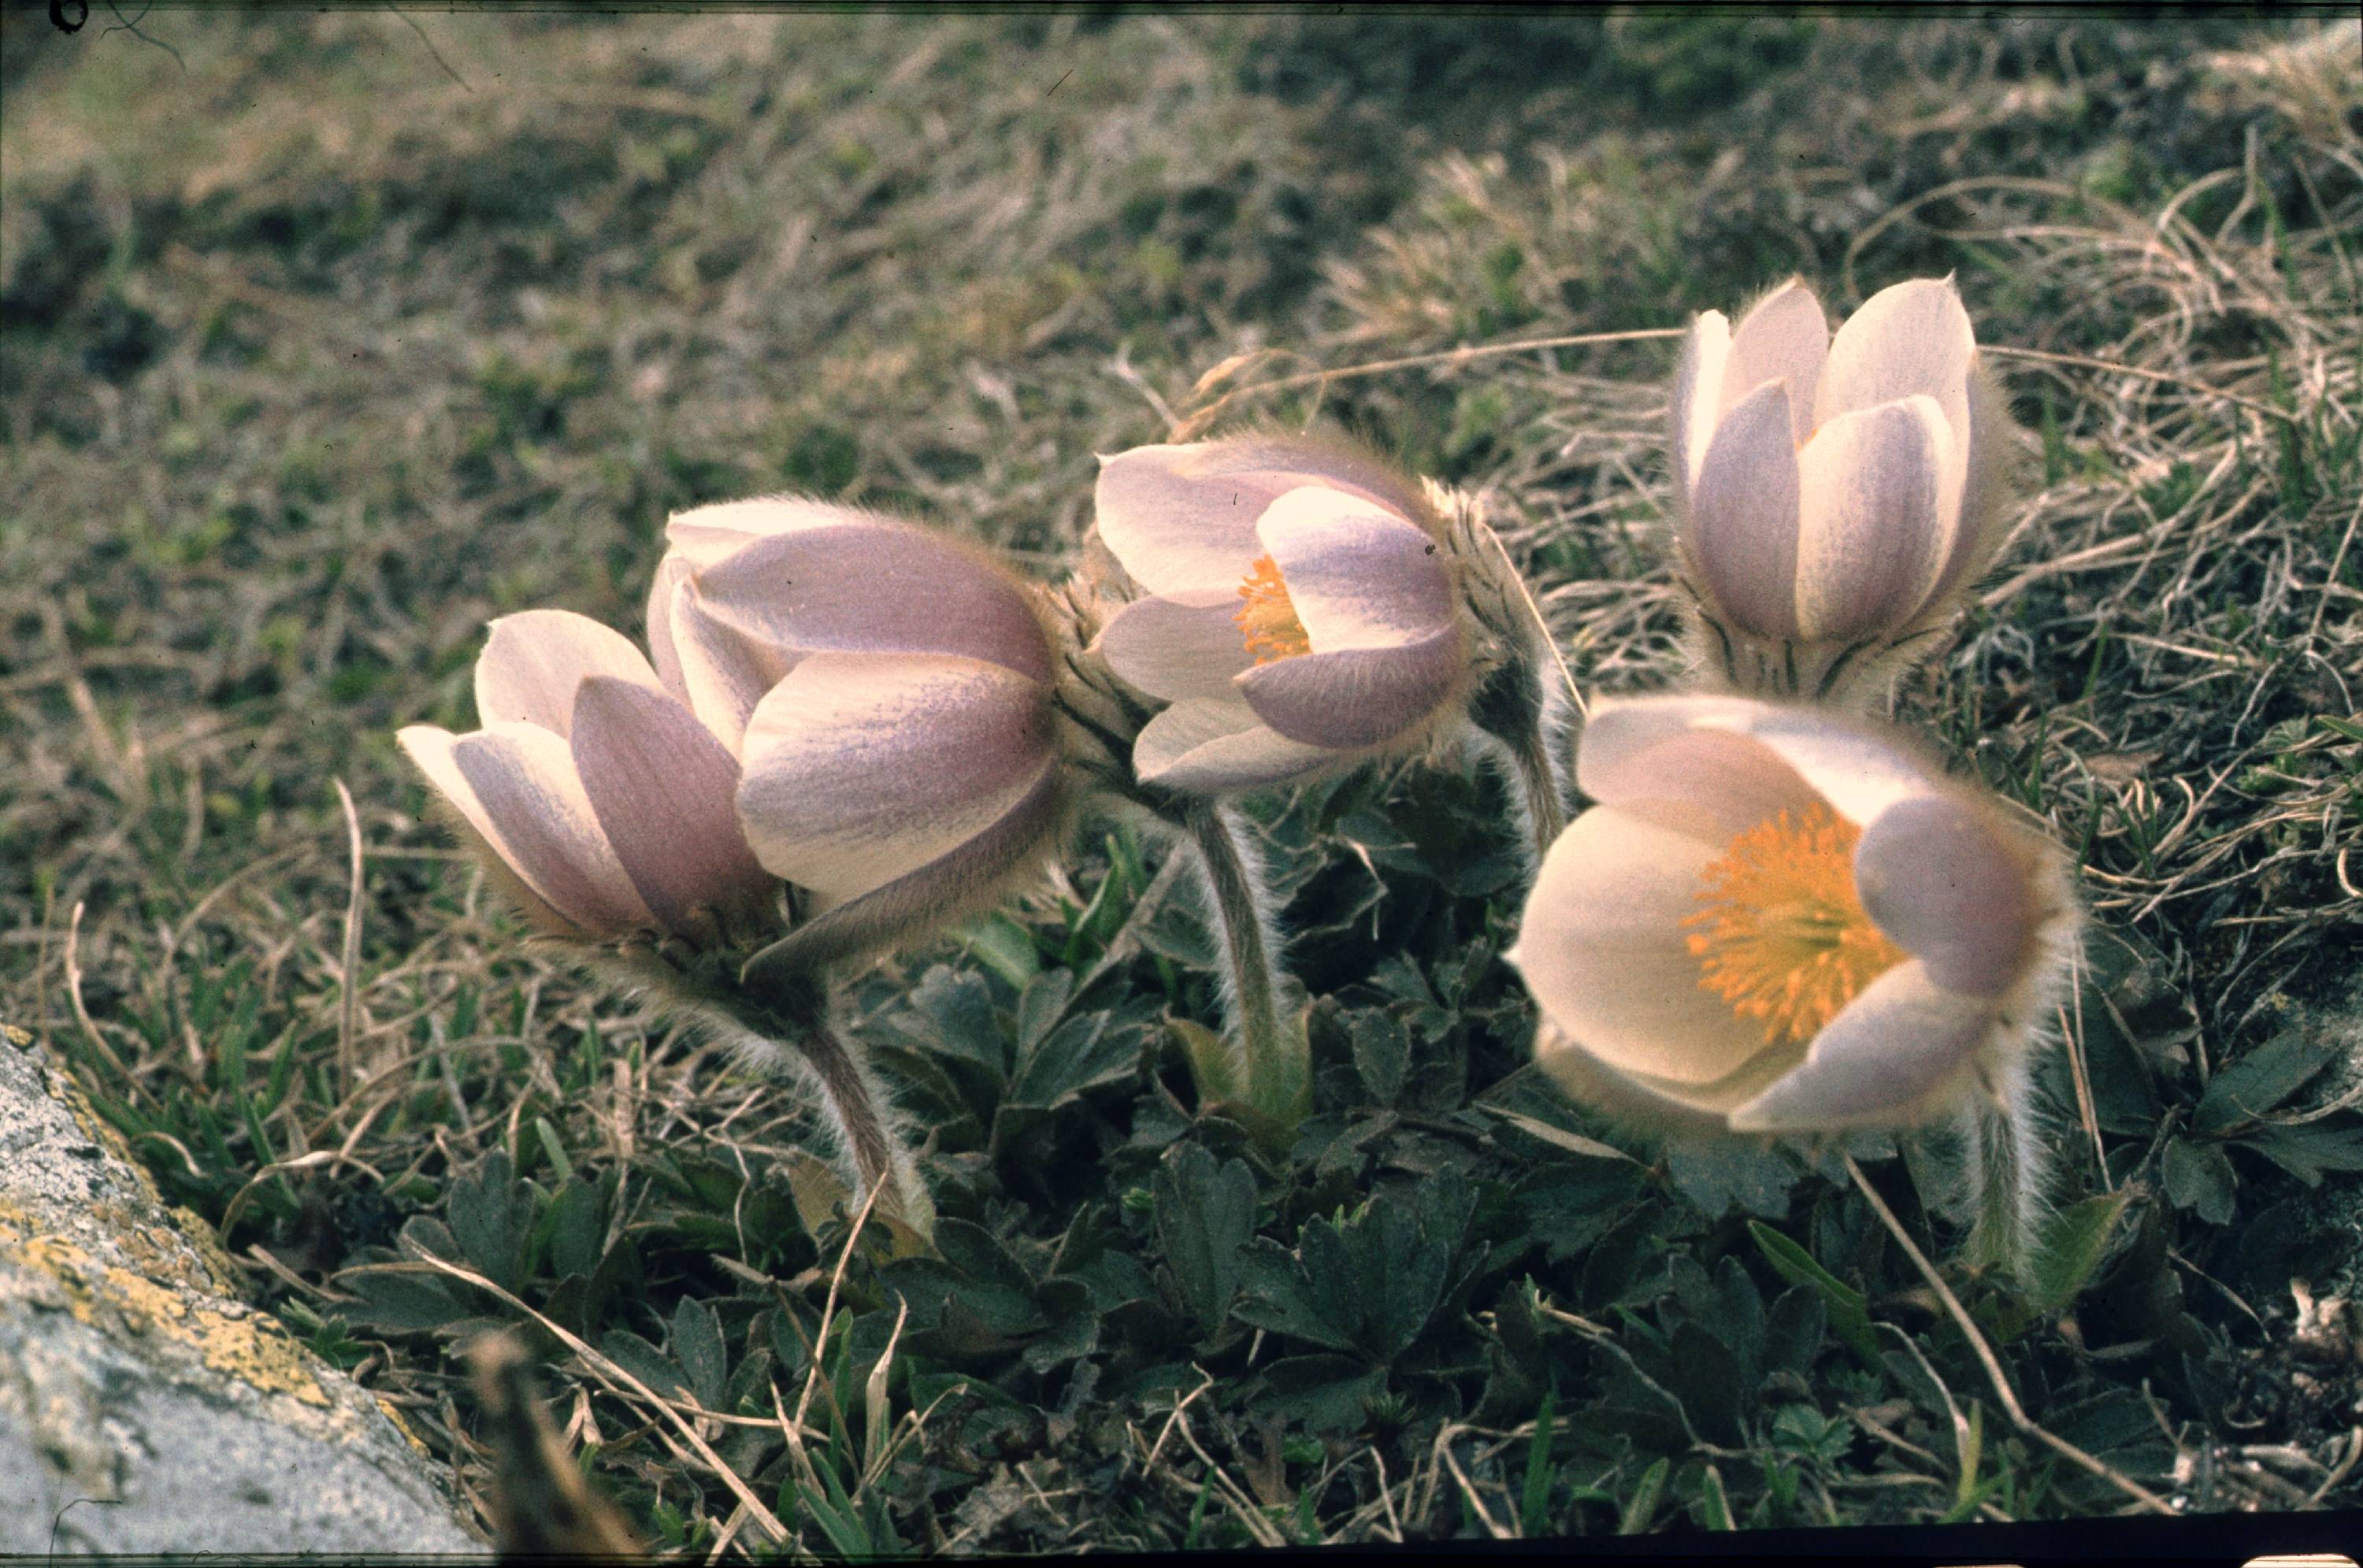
(349, 976)
(1994, 1374)
(540, 1505)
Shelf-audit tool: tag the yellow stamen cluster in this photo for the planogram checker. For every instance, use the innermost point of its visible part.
(1782, 935)
(1268, 618)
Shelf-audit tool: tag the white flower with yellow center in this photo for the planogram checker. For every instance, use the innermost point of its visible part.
(1833, 493)
(1776, 920)
(1297, 609)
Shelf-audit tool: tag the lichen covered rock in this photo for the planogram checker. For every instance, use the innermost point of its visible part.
(144, 1408)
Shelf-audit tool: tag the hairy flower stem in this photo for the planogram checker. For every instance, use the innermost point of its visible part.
(2002, 1159)
(793, 1021)
(1511, 710)
(1271, 1072)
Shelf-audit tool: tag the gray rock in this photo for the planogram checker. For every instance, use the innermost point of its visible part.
(144, 1408)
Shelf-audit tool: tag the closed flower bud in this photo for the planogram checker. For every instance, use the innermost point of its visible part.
(889, 690)
(1776, 920)
(1296, 609)
(1833, 493)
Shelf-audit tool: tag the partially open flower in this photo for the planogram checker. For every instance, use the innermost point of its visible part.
(1834, 493)
(1778, 921)
(891, 690)
(1294, 610)
(607, 807)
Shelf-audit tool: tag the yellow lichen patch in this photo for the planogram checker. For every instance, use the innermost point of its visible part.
(250, 1347)
(392, 1412)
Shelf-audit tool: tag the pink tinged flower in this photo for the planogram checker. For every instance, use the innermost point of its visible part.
(1776, 920)
(889, 689)
(1296, 611)
(1836, 488)
(605, 799)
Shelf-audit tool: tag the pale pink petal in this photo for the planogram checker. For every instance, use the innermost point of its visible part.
(1871, 537)
(969, 878)
(1713, 784)
(533, 662)
(877, 586)
(429, 748)
(703, 535)
(1951, 890)
(664, 790)
(1181, 519)
(1173, 649)
(1359, 576)
(724, 671)
(1698, 395)
(1983, 515)
(530, 807)
(1208, 745)
(1601, 948)
(861, 767)
(1785, 338)
(1357, 697)
(1655, 1102)
(1915, 337)
(1741, 526)
(1861, 772)
(671, 572)
(1889, 1058)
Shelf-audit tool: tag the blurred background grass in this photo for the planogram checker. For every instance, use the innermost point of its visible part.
(323, 338)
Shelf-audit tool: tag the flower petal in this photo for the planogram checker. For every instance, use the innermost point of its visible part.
(1357, 697)
(1984, 516)
(970, 877)
(724, 671)
(703, 535)
(1741, 524)
(1359, 577)
(1912, 337)
(518, 787)
(861, 767)
(1601, 949)
(1173, 649)
(533, 662)
(1861, 772)
(1891, 1057)
(671, 572)
(1871, 537)
(1181, 519)
(1785, 338)
(1698, 395)
(1214, 746)
(1655, 1102)
(872, 585)
(429, 748)
(1951, 891)
(664, 791)
(1714, 783)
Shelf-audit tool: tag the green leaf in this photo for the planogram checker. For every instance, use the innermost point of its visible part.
(574, 1229)
(1381, 1052)
(2070, 1248)
(1722, 1176)
(960, 1007)
(1214, 1064)
(2309, 1150)
(697, 1345)
(2243, 1090)
(2199, 1177)
(1642, 1504)
(1328, 1393)
(1005, 947)
(1079, 1054)
(1849, 1316)
(645, 1362)
(399, 1303)
(1710, 1381)
(492, 1216)
(1534, 1502)
(1204, 1214)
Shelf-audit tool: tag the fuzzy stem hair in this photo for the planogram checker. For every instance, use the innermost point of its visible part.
(1271, 1070)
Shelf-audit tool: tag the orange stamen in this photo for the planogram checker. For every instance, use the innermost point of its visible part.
(1268, 619)
(1783, 936)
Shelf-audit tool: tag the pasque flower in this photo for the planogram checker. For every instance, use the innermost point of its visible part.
(1776, 920)
(1833, 493)
(846, 737)
(1294, 609)
(889, 687)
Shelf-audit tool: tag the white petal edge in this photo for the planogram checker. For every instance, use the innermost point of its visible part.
(533, 662)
